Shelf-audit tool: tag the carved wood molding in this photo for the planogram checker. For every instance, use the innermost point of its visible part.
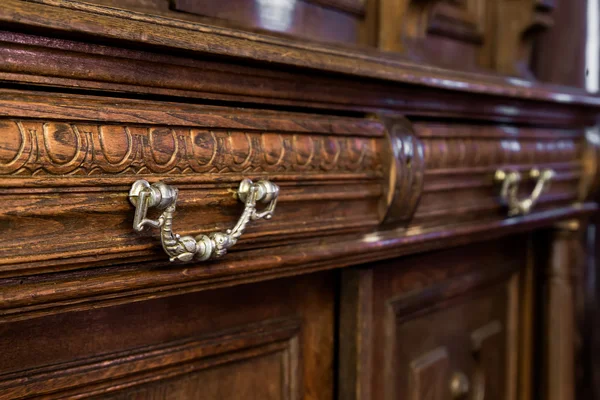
(460, 161)
(590, 183)
(457, 149)
(404, 172)
(34, 148)
(89, 150)
(519, 24)
(459, 19)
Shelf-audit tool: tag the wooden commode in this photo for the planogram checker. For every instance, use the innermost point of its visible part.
(294, 199)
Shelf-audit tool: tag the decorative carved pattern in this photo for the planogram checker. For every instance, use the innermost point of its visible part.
(458, 19)
(32, 148)
(520, 24)
(460, 146)
(404, 171)
(461, 153)
(461, 161)
(590, 182)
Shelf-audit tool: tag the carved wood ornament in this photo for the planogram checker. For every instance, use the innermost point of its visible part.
(74, 148)
(404, 172)
(390, 258)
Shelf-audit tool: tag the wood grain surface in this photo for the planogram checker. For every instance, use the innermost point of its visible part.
(74, 18)
(385, 167)
(38, 295)
(226, 344)
(426, 317)
(69, 160)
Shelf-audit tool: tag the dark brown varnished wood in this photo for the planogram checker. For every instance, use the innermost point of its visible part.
(589, 381)
(404, 168)
(356, 319)
(38, 61)
(79, 162)
(590, 185)
(461, 159)
(487, 35)
(31, 297)
(108, 24)
(528, 322)
(329, 22)
(564, 263)
(227, 343)
(81, 170)
(390, 269)
(567, 38)
(433, 316)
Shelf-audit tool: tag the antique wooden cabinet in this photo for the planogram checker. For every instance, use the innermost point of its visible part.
(311, 199)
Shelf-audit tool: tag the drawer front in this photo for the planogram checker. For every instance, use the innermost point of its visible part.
(438, 326)
(461, 161)
(267, 341)
(67, 165)
(68, 162)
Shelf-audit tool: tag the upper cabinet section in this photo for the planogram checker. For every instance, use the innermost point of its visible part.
(495, 35)
(321, 20)
(329, 21)
(472, 35)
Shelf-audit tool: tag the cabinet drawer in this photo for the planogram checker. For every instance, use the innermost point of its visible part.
(461, 162)
(68, 162)
(66, 171)
(433, 326)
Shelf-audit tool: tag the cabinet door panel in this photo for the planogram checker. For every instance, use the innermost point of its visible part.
(255, 378)
(471, 335)
(271, 341)
(428, 326)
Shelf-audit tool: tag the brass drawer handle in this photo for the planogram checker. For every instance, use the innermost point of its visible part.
(510, 185)
(203, 247)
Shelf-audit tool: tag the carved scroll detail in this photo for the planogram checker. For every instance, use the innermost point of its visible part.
(405, 163)
(464, 153)
(519, 24)
(464, 146)
(590, 182)
(34, 148)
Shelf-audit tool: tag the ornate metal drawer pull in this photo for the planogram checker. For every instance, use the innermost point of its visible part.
(510, 186)
(185, 248)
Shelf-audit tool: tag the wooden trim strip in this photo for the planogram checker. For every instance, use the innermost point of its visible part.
(110, 286)
(22, 104)
(472, 171)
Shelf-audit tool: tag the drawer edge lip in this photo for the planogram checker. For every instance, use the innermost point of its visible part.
(66, 292)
